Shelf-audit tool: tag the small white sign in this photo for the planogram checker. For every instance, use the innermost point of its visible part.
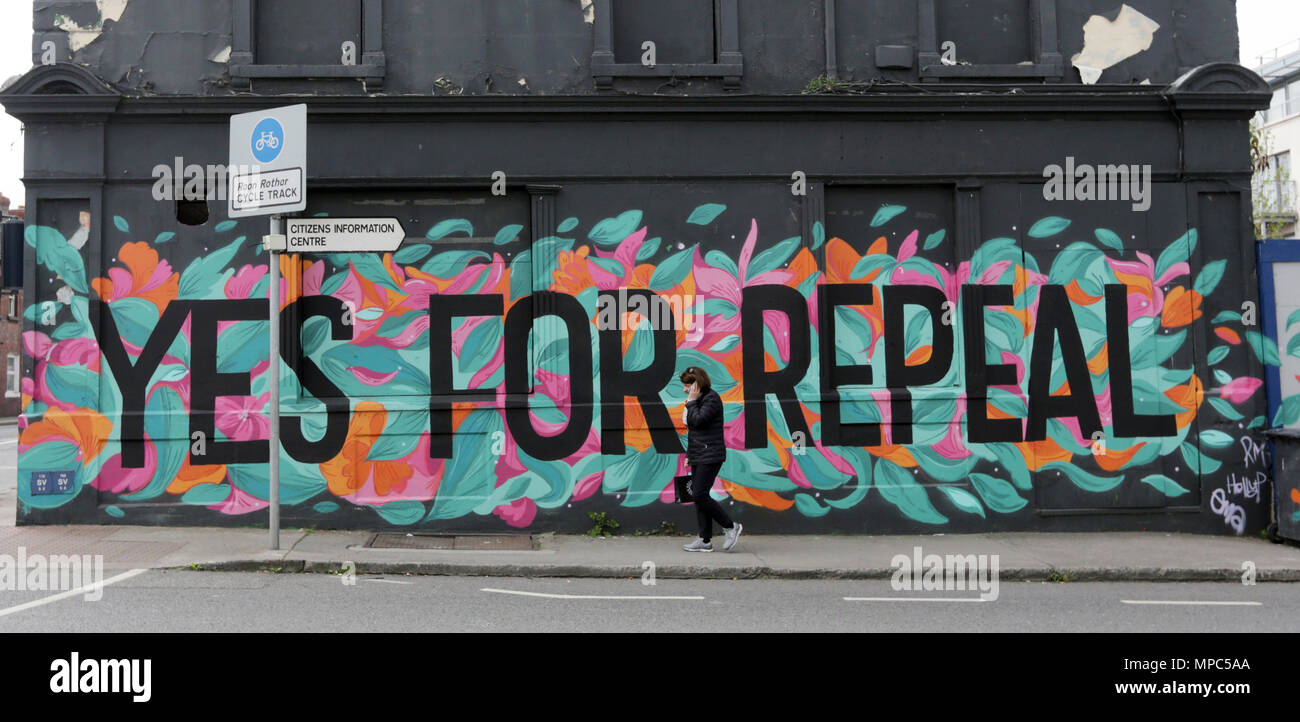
(268, 162)
(344, 235)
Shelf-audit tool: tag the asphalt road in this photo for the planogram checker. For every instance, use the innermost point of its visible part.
(191, 601)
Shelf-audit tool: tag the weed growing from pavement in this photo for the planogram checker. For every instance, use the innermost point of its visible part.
(666, 528)
(1058, 577)
(604, 526)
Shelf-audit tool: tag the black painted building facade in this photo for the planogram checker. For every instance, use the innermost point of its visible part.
(952, 265)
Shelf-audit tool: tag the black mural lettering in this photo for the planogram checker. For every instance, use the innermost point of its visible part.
(442, 391)
(1056, 321)
(833, 375)
(617, 383)
(1127, 423)
(758, 381)
(898, 374)
(133, 379)
(518, 321)
(206, 384)
(337, 406)
(980, 374)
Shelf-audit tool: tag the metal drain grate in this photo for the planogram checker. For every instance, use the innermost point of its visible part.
(463, 542)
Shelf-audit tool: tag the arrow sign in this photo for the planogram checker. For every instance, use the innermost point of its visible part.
(344, 235)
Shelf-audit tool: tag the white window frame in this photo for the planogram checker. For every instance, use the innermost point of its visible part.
(14, 374)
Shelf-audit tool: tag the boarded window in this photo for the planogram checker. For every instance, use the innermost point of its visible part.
(986, 32)
(682, 30)
(305, 32)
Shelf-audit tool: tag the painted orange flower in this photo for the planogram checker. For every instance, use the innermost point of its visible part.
(1181, 308)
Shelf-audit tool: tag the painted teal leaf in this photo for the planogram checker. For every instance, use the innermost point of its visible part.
(704, 215)
(452, 225)
(567, 225)
(1216, 439)
(1222, 377)
(1197, 460)
(325, 507)
(206, 276)
(450, 264)
(938, 466)
(224, 226)
(720, 260)
(1226, 316)
(612, 231)
(1048, 227)
(963, 500)
(207, 494)
(1208, 279)
(1256, 423)
(164, 237)
(903, 491)
(1224, 408)
(648, 249)
(1265, 349)
(1293, 346)
(412, 253)
(998, 494)
(470, 475)
(1164, 485)
(115, 512)
(1295, 316)
(819, 235)
(1109, 239)
(808, 506)
(934, 239)
(773, 257)
(121, 224)
(672, 271)
(726, 343)
(1217, 354)
(507, 234)
(716, 306)
(1288, 413)
(401, 513)
(885, 214)
(1177, 252)
(55, 253)
(1014, 461)
(1084, 480)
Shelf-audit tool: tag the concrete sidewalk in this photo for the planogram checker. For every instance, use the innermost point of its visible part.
(1076, 557)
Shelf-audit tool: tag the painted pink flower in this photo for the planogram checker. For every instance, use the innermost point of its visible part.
(1240, 389)
(240, 417)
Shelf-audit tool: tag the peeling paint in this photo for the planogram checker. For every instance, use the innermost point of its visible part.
(222, 56)
(78, 36)
(588, 11)
(1107, 43)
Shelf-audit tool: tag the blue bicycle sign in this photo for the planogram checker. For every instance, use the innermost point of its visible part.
(267, 140)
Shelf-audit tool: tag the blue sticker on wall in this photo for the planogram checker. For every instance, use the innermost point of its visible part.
(53, 482)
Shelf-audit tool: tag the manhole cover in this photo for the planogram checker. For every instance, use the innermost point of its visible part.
(463, 542)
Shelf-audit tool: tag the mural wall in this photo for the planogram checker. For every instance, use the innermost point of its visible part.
(1063, 371)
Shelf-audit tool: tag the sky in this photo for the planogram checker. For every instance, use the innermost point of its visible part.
(1263, 25)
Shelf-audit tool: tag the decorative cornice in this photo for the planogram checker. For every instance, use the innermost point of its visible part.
(59, 92)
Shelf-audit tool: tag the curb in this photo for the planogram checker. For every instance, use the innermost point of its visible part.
(1121, 574)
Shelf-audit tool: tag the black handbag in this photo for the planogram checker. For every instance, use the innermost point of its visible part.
(682, 484)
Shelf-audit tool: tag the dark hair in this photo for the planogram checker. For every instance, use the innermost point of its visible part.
(695, 374)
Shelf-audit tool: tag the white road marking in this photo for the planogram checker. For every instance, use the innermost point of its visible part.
(1207, 604)
(72, 592)
(388, 581)
(912, 599)
(582, 596)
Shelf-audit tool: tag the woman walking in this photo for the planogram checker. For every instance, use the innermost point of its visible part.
(705, 451)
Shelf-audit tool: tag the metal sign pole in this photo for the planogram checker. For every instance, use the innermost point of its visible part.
(274, 295)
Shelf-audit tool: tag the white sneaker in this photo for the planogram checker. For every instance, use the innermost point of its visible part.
(732, 535)
(699, 545)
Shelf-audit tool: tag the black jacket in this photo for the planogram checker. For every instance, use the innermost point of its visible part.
(704, 442)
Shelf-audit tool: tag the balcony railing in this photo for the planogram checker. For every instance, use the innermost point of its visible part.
(1274, 199)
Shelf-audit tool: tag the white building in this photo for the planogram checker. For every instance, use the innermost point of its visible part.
(1275, 210)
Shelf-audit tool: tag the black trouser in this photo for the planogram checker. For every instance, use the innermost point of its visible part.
(706, 509)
